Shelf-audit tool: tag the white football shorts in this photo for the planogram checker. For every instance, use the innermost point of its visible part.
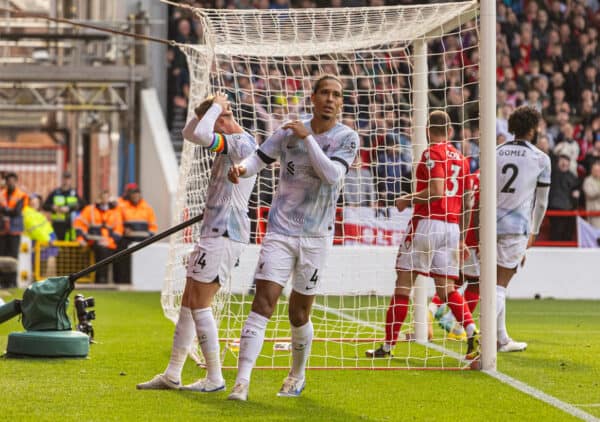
(212, 257)
(302, 258)
(431, 249)
(511, 249)
(471, 268)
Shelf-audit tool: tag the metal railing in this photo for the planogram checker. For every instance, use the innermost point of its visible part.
(62, 258)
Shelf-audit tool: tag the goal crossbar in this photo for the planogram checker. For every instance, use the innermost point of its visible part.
(321, 31)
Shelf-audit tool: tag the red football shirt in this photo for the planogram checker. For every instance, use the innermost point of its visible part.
(471, 239)
(442, 161)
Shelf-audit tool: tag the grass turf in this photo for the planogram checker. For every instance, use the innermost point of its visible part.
(134, 344)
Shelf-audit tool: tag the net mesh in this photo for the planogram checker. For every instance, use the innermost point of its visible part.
(266, 62)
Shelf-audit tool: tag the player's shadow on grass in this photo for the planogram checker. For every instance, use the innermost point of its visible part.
(255, 409)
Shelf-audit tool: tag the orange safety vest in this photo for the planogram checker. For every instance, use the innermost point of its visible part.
(11, 219)
(139, 219)
(121, 201)
(94, 224)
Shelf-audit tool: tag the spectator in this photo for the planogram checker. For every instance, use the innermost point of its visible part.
(12, 202)
(544, 144)
(100, 227)
(139, 223)
(559, 120)
(592, 156)
(390, 172)
(63, 203)
(359, 189)
(178, 75)
(36, 225)
(568, 147)
(502, 121)
(591, 188)
(533, 100)
(39, 229)
(564, 193)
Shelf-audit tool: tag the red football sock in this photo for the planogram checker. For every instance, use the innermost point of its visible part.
(436, 300)
(460, 309)
(472, 299)
(396, 314)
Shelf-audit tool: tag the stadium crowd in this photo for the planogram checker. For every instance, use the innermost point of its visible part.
(548, 56)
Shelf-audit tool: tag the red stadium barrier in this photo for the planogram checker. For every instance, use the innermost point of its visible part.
(347, 232)
(543, 238)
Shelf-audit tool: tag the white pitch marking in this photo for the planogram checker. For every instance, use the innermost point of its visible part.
(540, 395)
(519, 385)
(347, 317)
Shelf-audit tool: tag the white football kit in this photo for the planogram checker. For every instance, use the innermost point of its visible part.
(301, 219)
(225, 226)
(471, 267)
(520, 169)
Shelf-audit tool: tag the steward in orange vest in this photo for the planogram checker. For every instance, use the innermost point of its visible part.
(12, 202)
(139, 223)
(100, 226)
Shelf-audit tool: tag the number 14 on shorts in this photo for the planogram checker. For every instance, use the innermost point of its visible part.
(201, 261)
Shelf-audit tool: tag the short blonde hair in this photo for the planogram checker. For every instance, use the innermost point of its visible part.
(439, 123)
(203, 107)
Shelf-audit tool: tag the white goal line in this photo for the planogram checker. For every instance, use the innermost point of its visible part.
(519, 385)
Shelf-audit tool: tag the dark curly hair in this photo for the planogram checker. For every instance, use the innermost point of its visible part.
(522, 120)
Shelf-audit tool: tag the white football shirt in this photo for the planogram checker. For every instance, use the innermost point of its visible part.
(304, 205)
(226, 211)
(520, 169)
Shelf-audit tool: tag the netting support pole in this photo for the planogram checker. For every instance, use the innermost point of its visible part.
(487, 230)
(419, 144)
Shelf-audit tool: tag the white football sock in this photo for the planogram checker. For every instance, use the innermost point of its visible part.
(301, 343)
(501, 315)
(251, 343)
(471, 328)
(182, 340)
(208, 338)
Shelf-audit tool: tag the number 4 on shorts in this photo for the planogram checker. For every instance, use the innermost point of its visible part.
(313, 280)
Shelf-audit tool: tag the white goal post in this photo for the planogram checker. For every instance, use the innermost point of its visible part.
(397, 63)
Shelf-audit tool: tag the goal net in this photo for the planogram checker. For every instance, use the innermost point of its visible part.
(396, 64)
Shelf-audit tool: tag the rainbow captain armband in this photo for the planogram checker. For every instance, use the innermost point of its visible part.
(218, 143)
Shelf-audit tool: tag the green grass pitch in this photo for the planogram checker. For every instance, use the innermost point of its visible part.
(134, 344)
